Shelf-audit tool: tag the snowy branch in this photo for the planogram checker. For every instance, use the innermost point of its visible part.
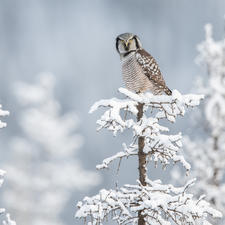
(153, 199)
(169, 107)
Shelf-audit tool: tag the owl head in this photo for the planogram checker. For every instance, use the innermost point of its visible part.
(127, 42)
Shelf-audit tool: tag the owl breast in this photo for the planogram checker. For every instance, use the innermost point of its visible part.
(133, 75)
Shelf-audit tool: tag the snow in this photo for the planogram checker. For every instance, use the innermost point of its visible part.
(169, 107)
(132, 150)
(2, 210)
(154, 200)
(180, 158)
(9, 221)
(2, 172)
(3, 113)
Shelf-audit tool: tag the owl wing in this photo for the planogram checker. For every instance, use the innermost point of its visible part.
(151, 70)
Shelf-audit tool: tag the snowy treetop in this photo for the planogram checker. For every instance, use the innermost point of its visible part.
(158, 146)
(169, 106)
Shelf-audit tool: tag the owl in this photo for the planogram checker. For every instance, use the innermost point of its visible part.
(141, 72)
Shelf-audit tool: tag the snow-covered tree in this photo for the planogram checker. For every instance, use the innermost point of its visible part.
(2, 125)
(43, 170)
(2, 172)
(207, 151)
(147, 202)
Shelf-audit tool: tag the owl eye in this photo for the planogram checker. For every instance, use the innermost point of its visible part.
(122, 41)
(130, 40)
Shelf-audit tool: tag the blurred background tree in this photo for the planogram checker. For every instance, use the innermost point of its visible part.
(2, 125)
(206, 152)
(43, 170)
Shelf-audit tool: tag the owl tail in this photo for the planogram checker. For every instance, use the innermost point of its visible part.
(167, 91)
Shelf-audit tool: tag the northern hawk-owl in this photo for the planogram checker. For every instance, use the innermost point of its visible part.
(140, 70)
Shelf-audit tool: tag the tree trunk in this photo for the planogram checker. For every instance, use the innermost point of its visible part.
(141, 160)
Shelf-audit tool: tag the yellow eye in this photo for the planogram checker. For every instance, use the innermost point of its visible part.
(130, 40)
(122, 41)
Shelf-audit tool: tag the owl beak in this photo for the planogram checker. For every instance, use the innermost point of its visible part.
(127, 43)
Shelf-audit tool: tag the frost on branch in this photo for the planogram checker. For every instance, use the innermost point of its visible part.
(155, 200)
(158, 146)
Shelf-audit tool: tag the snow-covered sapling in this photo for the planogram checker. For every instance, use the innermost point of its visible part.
(148, 202)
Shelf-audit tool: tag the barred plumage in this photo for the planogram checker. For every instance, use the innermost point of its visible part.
(132, 75)
(140, 70)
